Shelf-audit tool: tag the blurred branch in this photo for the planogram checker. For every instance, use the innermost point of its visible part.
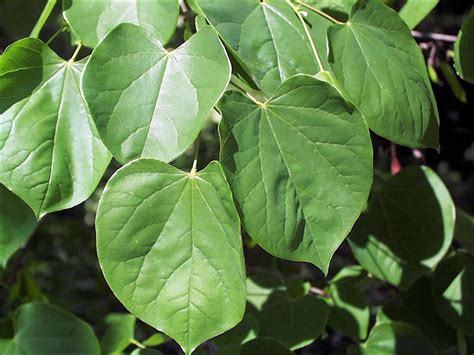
(430, 36)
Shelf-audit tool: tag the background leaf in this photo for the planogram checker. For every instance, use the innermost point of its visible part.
(264, 346)
(119, 333)
(464, 230)
(464, 51)
(415, 11)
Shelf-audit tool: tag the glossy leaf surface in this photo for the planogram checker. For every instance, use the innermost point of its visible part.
(92, 20)
(43, 329)
(287, 163)
(51, 155)
(407, 228)
(148, 102)
(377, 61)
(464, 50)
(169, 246)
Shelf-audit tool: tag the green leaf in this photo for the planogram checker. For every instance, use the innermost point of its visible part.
(350, 314)
(453, 292)
(265, 36)
(169, 246)
(464, 51)
(259, 288)
(261, 346)
(119, 333)
(300, 167)
(453, 81)
(244, 332)
(339, 9)
(464, 230)
(379, 64)
(41, 328)
(92, 20)
(164, 97)
(397, 338)
(51, 155)
(156, 339)
(407, 229)
(295, 323)
(17, 224)
(415, 11)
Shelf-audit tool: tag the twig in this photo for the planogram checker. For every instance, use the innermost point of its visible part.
(430, 36)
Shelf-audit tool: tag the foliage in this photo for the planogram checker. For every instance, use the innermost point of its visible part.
(241, 255)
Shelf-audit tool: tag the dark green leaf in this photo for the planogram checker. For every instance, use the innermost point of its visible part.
(407, 229)
(464, 230)
(169, 246)
(119, 334)
(300, 167)
(379, 64)
(164, 97)
(262, 346)
(464, 50)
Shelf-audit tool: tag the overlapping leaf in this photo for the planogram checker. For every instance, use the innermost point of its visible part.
(407, 229)
(119, 333)
(415, 11)
(300, 167)
(464, 50)
(266, 36)
(148, 102)
(51, 155)
(169, 246)
(379, 64)
(17, 224)
(92, 20)
(40, 328)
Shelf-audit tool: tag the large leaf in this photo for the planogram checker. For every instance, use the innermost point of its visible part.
(378, 62)
(415, 11)
(453, 292)
(266, 36)
(300, 167)
(119, 334)
(17, 224)
(92, 20)
(148, 102)
(464, 51)
(43, 329)
(397, 338)
(407, 229)
(51, 155)
(169, 246)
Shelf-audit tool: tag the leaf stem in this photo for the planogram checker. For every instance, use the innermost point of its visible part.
(56, 34)
(43, 18)
(308, 34)
(197, 148)
(320, 13)
(245, 89)
(76, 52)
(137, 343)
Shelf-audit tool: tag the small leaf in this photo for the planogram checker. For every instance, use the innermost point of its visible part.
(300, 167)
(379, 64)
(169, 246)
(261, 346)
(464, 230)
(92, 20)
(453, 292)
(157, 105)
(397, 338)
(51, 155)
(119, 333)
(415, 11)
(265, 36)
(156, 339)
(464, 51)
(407, 229)
(17, 224)
(41, 328)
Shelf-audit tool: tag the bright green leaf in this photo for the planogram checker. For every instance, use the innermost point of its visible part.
(17, 224)
(397, 338)
(119, 333)
(156, 339)
(266, 37)
(464, 230)
(148, 102)
(415, 11)
(453, 292)
(379, 64)
(350, 314)
(51, 155)
(464, 50)
(407, 229)
(300, 167)
(169, 246)
(261, 346)
(43, 329)
(92, 20)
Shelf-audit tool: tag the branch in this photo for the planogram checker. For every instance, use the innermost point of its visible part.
(429, 36)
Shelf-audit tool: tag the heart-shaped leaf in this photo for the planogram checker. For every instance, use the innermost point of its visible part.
(407, 229)
(92, 20)
(40, 328)
(379, 64)
(17, 224)
(51, 155)
(300, 167)
(266, 37)
(148, 102)
(170, 248)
